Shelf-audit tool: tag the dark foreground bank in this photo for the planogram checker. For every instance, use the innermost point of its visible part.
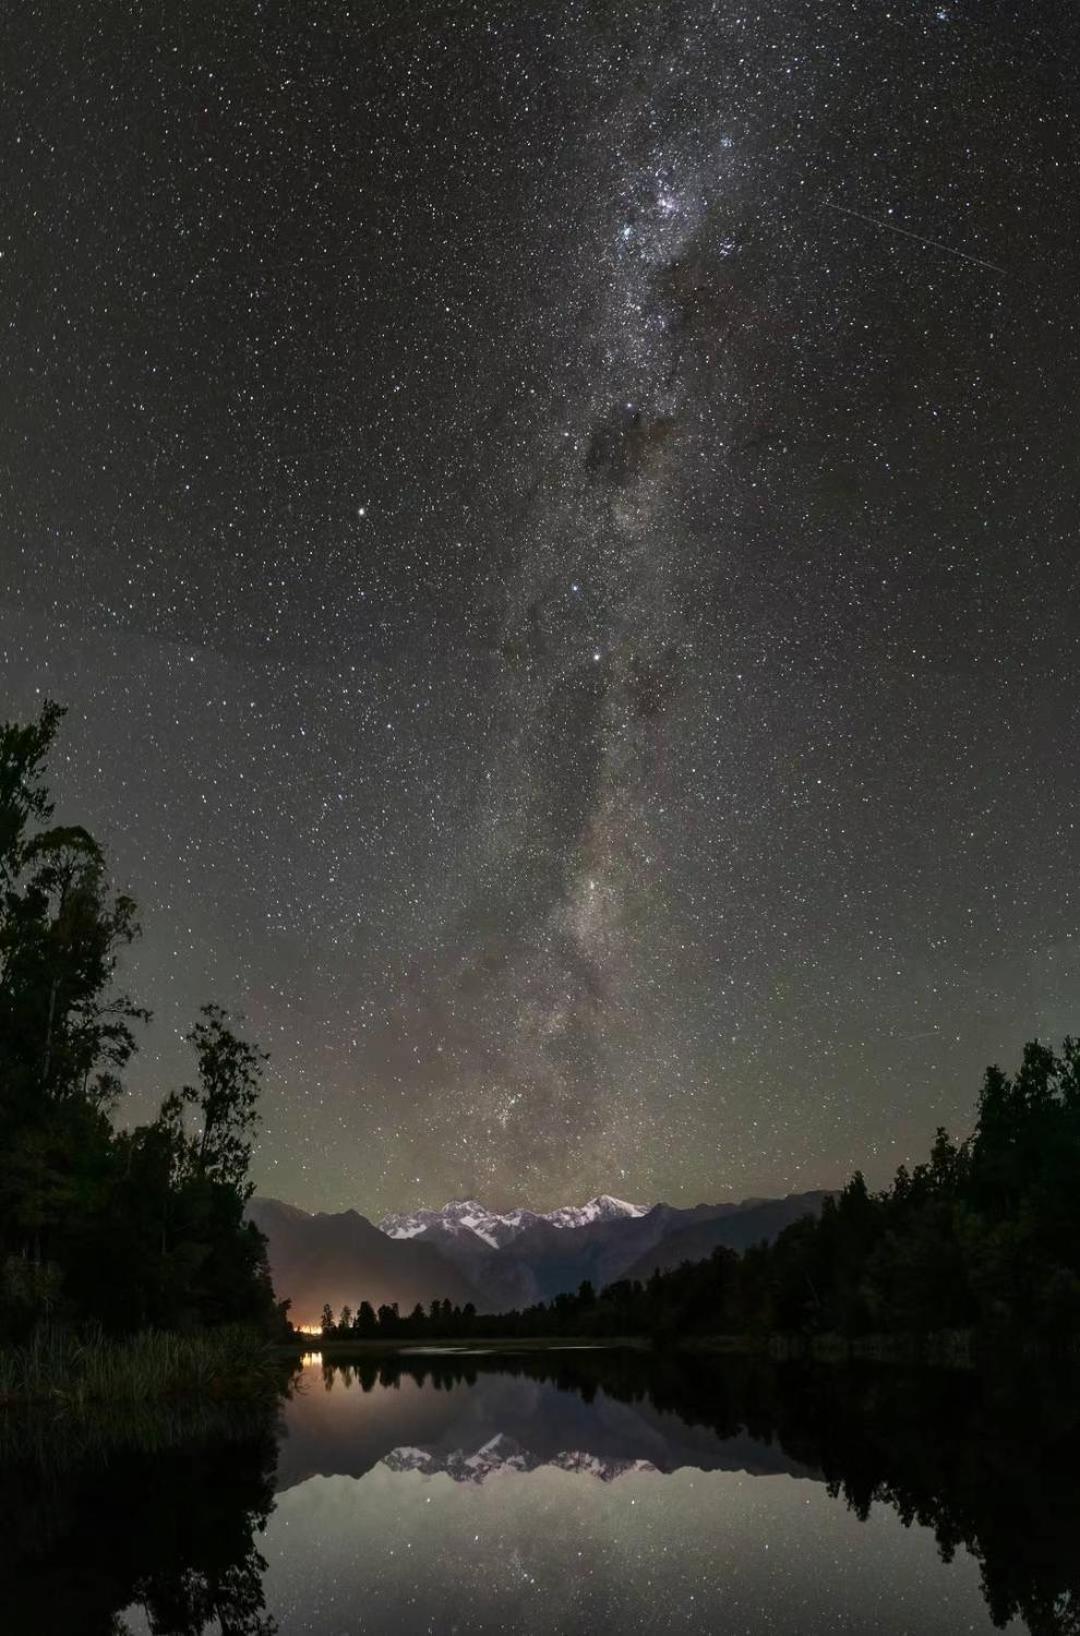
(78, 1372)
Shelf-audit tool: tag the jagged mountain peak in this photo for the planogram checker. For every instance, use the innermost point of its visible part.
(604, 1207)
(499, 1259)
(498, 1228)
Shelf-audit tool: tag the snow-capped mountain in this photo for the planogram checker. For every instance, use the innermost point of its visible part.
(461, 1217)
(499, 1259)
(602, 1208)
(497, 1230)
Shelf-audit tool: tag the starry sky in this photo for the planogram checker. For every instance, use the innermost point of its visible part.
(556, 526)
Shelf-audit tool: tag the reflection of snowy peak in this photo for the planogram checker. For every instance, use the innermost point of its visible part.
(591, 1465)
(503, 1453)
(464, 1218)
(500, 1454)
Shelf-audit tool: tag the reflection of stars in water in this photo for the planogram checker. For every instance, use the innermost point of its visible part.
(517, 1569)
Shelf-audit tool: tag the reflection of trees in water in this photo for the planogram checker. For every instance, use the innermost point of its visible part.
(367, 1373)
(993, 1468)
(991, 1464)
(170, 1531)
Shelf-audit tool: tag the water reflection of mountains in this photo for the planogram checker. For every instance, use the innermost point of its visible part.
(345, 1419)
(987, 1462)
(172, 1529)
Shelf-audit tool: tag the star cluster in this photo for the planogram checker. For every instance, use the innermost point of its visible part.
(555, 525)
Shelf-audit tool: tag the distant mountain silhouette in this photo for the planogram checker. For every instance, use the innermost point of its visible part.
(344, 1258)
(543, 1260)
(760, 1222)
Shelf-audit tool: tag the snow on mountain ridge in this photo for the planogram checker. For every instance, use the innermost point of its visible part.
(602, 1208)
(497, 1229)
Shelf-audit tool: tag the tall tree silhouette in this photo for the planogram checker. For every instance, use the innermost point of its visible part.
(128, 1227)
(226, 1097)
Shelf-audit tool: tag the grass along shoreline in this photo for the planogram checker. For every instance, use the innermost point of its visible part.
(78, 1374)
(77, 1371)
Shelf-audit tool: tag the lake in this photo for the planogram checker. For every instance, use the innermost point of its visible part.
(563, 1491)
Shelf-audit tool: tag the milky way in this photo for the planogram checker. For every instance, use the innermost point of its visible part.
(564, 583)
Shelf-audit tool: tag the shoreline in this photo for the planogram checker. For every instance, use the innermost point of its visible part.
(954, 1350)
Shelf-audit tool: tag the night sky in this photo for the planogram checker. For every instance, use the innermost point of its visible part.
(569, 620)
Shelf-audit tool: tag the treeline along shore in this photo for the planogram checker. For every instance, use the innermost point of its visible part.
(127, 1268)
(979, 1247)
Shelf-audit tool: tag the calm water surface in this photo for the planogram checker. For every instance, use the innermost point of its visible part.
(580, 1492)
(513, 1505)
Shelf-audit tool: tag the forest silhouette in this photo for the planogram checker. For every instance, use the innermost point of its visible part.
(982, 1239)
(122, 1229)
(113, 1231)
(139, 1228)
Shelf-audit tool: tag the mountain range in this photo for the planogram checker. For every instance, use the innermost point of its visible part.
(464, 1216)
(498, 1260)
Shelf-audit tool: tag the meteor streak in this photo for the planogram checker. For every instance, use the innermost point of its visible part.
(931, 244)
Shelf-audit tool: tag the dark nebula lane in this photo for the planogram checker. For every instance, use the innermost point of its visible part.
(555, 526)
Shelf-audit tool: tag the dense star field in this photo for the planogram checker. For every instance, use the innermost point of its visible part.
(556, 527)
